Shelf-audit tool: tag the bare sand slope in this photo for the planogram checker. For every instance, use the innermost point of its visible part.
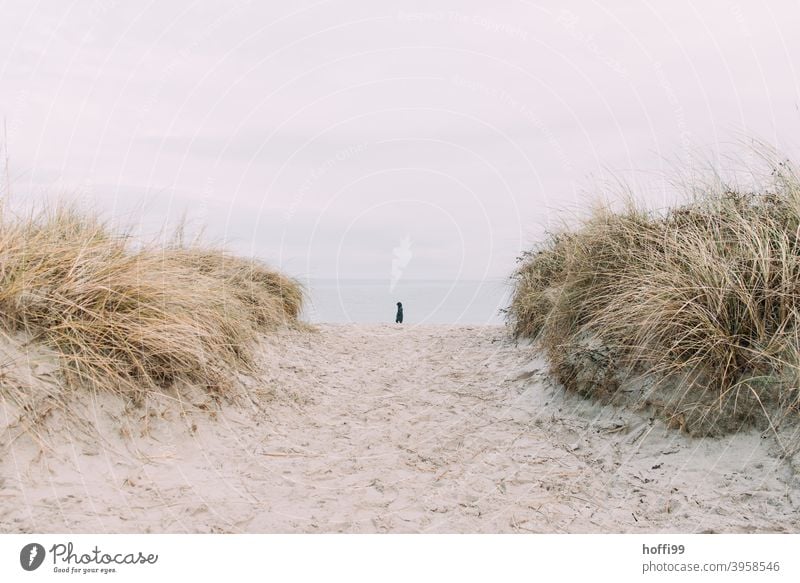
(390, 429)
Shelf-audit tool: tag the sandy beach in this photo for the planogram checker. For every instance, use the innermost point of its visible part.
(377, 428)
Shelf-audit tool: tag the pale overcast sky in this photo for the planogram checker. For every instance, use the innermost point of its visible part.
(326, 136)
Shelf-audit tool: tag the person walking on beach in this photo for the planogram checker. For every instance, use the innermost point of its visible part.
(399, 318)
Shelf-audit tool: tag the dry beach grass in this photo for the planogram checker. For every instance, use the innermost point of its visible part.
(701, 303)
(133, 320)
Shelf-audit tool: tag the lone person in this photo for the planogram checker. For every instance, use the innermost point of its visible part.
(399, 318)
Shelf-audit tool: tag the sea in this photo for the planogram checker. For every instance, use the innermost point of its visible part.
(427, 301)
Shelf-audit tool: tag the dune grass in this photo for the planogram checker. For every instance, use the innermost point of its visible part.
(698, 306)
(133, 319)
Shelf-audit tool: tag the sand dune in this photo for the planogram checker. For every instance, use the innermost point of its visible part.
(356, 428)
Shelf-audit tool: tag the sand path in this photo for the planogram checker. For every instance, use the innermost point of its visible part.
(398, 429)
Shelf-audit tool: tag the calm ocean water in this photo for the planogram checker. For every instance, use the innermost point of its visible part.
(424, 301)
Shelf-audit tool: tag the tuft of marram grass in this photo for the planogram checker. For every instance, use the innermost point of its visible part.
(702, 300)
(271, 297)
(135, 320)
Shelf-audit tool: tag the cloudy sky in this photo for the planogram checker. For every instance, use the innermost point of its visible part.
(332, 137)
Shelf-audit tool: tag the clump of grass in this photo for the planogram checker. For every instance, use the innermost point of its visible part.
(702, 300)
(271, 297)
(135, 319)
